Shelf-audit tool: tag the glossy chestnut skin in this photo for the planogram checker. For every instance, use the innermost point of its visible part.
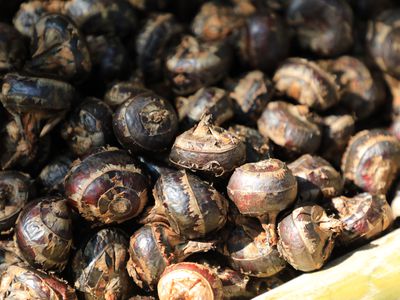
(364, 216)
(290, 126)
(119, 92)
(154, 247)
(156, 35)
(58, 50)
(209, 149)
(362, 92)
(257, 147)
(250, 252)
(372, 160)
(43, 233)
(89, 126)
(107, 186)
(13, 50)
(16, 188)
(307, 83)
(22, 282)
(189, 280)
(99, 266)
(263, 41)
(307, 237)
(193, 208)
(206, 101)
(51, 178)
(322, 27)
(382, 36)
(316, 178)
(193, 64)
(145, 122)
(250, 94)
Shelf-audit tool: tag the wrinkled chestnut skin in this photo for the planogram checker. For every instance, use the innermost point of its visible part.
(152, 42)
(122, 91)
(88, 127)
(154, 247)
(362, 92)
(307, 237)
(99, 266)
(59, 50)
(307, 83)
(110, 59)
(13, 50)
(145, 122)
(263, 41)
(51, 178)
(209, 149)
(192, 64)
(315, 177)
(372, 160)
(382, 38)
(257, 147)
(107, 186)
(290, 126)
(215, 22)
(22, 282)
(193, 208)
(97, 17)
(206, 101)
(364, 217)
(250, 94)
(323, 27)
(15, 190)
(250, 252)
(189, 280)
(43, 233)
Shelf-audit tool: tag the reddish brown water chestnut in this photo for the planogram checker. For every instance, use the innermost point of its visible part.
(107, 186)
(262, 190)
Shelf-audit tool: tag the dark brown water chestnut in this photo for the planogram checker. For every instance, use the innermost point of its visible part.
(393, 85)
(193, 208)
(51, 177)
(145, 122)
(382, 38)
(97, 17)
(290, 126)
(307, 237)
(156, 35)
(250, 94)
(364, 216)
(13, 50)
(263, 41)
(154, 247)
(337, 131)
(262, 190)
(43, 233)
(257, 147)
(316, 178)
(187, 280)
(372, 160)
(119, 92)
(43, 101)
(323, 27)
(360, 89)
(89, 126)
(192, 64)
(16, 188)
(22, 282)
(307, 83)
(107, 186)
(209, 149)
(59, 50)
(215, 22)
(206, 101)
(99, 266)
(249, 250)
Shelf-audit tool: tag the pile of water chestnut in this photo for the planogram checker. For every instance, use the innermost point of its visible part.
(155, 149)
